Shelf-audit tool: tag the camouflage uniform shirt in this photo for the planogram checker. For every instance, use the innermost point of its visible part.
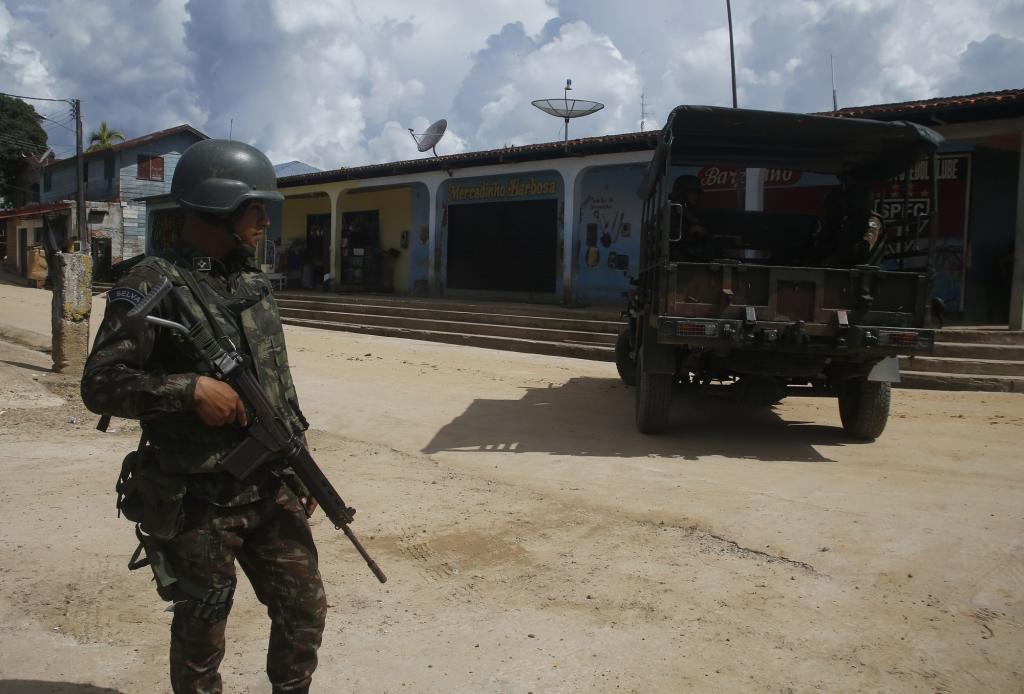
(149, 373)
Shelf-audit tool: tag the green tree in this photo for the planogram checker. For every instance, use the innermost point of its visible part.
(104, 137)
(21, 136)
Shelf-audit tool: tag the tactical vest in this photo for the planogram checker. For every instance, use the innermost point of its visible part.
(247, 320)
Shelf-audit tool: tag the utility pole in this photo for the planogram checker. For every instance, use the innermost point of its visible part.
(81, 229)
(732, 52)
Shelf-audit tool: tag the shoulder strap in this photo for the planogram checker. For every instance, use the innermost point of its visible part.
(186, 279)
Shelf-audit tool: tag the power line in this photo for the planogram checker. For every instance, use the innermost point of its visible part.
(34, 98)
(60, 124)
(66, 113)
(21, 143)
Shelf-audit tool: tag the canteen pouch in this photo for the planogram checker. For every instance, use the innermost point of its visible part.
(150, 497)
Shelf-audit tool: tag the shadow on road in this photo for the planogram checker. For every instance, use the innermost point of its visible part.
(38, 687)
(594, 417)
(23, 365)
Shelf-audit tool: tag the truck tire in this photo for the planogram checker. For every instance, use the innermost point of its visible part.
(864, 407)
(625, 364)
(653, 398)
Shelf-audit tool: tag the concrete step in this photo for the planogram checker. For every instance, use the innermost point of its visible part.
(982, 367)
(969, 350)
(993, 336)
(437, 321)
(930, 380)
(427, 312)
(561, 349)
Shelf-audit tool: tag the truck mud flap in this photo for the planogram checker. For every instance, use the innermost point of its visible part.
(886, 371)
(658, 359)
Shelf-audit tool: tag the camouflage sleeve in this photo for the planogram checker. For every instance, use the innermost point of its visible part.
(122, 377)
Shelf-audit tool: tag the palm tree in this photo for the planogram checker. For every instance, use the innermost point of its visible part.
(104, 137)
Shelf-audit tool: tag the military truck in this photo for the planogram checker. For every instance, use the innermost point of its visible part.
(779, 301)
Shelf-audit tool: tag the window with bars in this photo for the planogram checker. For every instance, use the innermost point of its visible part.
(151, 168)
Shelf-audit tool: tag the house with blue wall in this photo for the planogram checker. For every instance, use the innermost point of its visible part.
(124, 174)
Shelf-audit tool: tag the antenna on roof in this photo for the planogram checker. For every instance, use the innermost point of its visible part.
(429, 138)
(231, 128)
(567, 108)
(835, 102)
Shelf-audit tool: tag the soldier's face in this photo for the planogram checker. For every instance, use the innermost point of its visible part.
(253, 222)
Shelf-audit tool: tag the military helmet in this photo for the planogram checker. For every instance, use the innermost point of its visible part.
(219, 175)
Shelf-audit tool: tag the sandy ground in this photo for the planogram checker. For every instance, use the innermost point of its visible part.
(536, 543)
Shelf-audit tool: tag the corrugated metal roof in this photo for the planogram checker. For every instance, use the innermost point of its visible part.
(32, 210)
(626, 142)
(134, 142)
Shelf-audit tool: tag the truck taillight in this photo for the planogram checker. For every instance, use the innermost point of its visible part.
(891, 338)
(695, 329)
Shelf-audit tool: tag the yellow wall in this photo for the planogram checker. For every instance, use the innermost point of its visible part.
(293, 216)
(395, 206)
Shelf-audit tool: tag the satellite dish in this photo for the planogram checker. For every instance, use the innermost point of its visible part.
(567, 108)
(429, 138)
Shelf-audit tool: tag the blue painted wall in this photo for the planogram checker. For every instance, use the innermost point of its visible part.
(125, 185)
(419, 241)
(606, 230)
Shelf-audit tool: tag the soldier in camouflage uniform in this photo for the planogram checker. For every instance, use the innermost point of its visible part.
(203, 518)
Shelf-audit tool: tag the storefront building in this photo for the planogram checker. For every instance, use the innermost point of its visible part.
(560, 223)
(497, 225)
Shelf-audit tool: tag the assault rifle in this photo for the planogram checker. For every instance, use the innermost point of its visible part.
(269, 438)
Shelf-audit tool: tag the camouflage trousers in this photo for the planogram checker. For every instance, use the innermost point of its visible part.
(271, 540)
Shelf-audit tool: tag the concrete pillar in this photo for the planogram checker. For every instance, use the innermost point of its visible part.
(1017, 289)
(72, 304)
(434, 257)
(570, 178)
(335, 199)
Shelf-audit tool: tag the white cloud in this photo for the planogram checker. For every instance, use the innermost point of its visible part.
(338, 82)
(514, 69)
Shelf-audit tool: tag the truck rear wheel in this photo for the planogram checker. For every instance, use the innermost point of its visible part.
(864, 407)
(625, 364)
(653, 398)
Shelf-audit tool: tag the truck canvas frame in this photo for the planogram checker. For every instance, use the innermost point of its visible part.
(770, 302)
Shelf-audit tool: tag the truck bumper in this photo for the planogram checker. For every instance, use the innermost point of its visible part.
(854, 342)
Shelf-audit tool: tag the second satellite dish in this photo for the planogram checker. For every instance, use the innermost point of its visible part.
(429, 138)
(566, 108)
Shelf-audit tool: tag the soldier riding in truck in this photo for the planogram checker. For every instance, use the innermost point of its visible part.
(764, 264)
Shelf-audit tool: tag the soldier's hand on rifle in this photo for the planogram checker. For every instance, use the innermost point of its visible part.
(308, 505)
(217, 403)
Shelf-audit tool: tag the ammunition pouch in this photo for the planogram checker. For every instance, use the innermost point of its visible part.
(149, 496)
(208, 604)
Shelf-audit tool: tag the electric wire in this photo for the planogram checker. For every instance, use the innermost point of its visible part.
(34, 98)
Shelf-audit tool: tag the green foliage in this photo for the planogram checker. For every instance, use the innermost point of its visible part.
(20, 135)
(104, 137)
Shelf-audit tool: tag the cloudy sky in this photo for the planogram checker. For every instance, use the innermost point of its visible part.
(338, 82)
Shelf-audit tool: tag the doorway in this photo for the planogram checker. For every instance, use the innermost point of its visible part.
(318, 246)
(503, 246)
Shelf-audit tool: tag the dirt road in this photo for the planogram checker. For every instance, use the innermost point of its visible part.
(536, 543)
